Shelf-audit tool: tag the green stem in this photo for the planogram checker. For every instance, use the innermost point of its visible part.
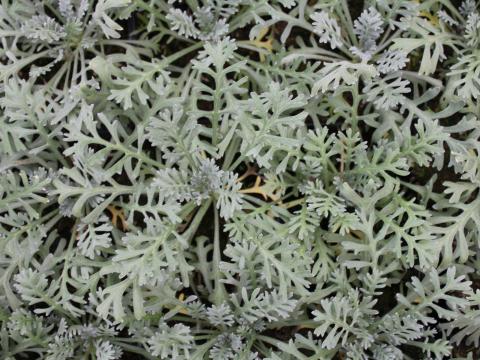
(219, 294)
(192, 228)
(179, 54)
(133, 349)
(348, 23)
(216, 113)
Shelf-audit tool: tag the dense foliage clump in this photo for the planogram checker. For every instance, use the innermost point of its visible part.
(239, 179)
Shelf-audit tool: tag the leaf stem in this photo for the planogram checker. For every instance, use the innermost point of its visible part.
(219, 294)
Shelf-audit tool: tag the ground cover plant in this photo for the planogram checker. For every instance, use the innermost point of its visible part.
(239, 179)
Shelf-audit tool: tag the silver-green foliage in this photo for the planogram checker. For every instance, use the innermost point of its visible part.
(232, 179)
